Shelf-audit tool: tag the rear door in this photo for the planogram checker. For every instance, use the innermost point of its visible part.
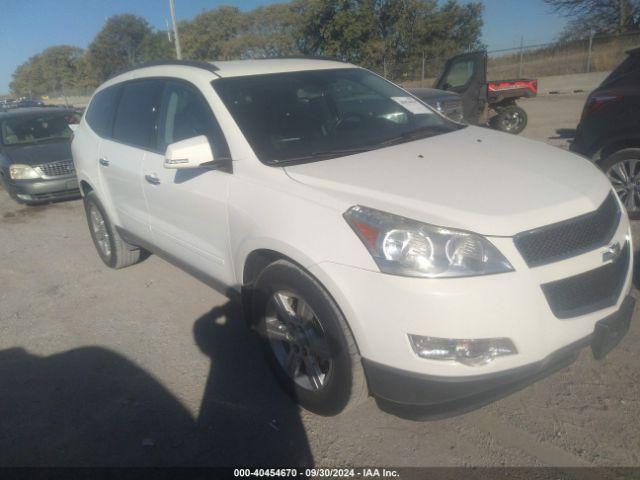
(466, 75)
(188, 208)
(121, 156)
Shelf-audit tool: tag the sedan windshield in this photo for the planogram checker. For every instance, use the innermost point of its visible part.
(29, 129)
(313, 115)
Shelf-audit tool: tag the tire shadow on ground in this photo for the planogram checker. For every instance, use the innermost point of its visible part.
(564, 134)
(92, 407)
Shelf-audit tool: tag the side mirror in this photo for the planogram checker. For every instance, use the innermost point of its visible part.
(190, 153)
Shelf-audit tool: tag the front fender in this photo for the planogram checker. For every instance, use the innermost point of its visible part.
(284, 217)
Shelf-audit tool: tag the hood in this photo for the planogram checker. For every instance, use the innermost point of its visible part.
(37, 154)
(474, 179)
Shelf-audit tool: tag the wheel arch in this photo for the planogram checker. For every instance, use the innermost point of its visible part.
(616, 145)
(260, 258)
(85, 187)
(254, 262)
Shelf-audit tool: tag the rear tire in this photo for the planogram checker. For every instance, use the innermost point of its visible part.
(307, 341)
(511, 119)
(623, 171)
(114, 252)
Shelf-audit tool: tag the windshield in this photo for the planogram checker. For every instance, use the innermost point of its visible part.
(319, 114)
(21, 130)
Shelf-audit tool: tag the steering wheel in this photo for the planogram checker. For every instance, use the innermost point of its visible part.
(350, 117)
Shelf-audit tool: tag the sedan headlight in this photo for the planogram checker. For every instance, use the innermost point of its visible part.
(23, 172)
(402, 246)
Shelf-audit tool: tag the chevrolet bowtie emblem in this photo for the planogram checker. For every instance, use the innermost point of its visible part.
(612, 252)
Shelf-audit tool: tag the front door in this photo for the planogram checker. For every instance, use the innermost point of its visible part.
(188, 208)
(466, 74)
(121, 156)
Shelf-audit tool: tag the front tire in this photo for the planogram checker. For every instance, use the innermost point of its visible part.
(114, 252)
(307, 341)
(623, 171)
(510, 120)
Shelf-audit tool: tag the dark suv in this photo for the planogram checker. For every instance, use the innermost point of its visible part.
(609, 130)
(35, 154)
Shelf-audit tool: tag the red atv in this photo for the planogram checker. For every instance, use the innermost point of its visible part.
(483, 102)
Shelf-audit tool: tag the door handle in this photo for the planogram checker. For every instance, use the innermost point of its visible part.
(152, 179)
(104, 162)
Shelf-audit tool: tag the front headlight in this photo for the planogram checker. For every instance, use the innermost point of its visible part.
(402, 246)
(23, 172)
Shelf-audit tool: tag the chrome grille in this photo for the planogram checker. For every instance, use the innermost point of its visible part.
(571, 237)
(57, 169)
(589, 291)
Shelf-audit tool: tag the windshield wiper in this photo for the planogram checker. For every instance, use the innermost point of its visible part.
(49, 139)
(410, 135)
(323, 155)
(417, 134)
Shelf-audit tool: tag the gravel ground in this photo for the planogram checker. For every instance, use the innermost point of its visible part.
(147, 366)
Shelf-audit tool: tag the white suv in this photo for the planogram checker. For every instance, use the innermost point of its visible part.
(377, 247)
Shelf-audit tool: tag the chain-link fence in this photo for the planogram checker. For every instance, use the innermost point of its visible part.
(78, 97)
(595, 54)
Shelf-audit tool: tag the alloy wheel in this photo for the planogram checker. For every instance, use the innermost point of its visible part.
(100, 231)
(625, 178)
(297, 340)
(512, 121)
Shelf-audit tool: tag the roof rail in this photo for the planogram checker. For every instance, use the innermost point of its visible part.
(212, 68)
(301, 57)
(186, 63)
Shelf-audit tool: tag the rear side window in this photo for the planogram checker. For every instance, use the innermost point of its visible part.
(186, 114)
(137, 113)
(101, 111)
(630, 65)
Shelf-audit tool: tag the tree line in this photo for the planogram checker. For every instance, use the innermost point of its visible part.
(597, 17)
(379, 34)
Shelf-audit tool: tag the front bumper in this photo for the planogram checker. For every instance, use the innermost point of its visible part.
(398, 388)
(44, 190)
(382, 310)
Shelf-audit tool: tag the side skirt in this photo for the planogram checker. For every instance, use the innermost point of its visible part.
(231, 292)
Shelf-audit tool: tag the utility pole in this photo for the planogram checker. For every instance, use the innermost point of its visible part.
(591, 33)
(521, 55)
(169, 37)
(175, 30)
(422, 76)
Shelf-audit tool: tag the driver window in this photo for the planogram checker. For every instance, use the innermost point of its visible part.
(460, 73)
(185, 114)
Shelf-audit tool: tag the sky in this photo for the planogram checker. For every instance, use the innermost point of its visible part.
(29, 26)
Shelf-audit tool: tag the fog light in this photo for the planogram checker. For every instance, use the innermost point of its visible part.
(468, 352)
